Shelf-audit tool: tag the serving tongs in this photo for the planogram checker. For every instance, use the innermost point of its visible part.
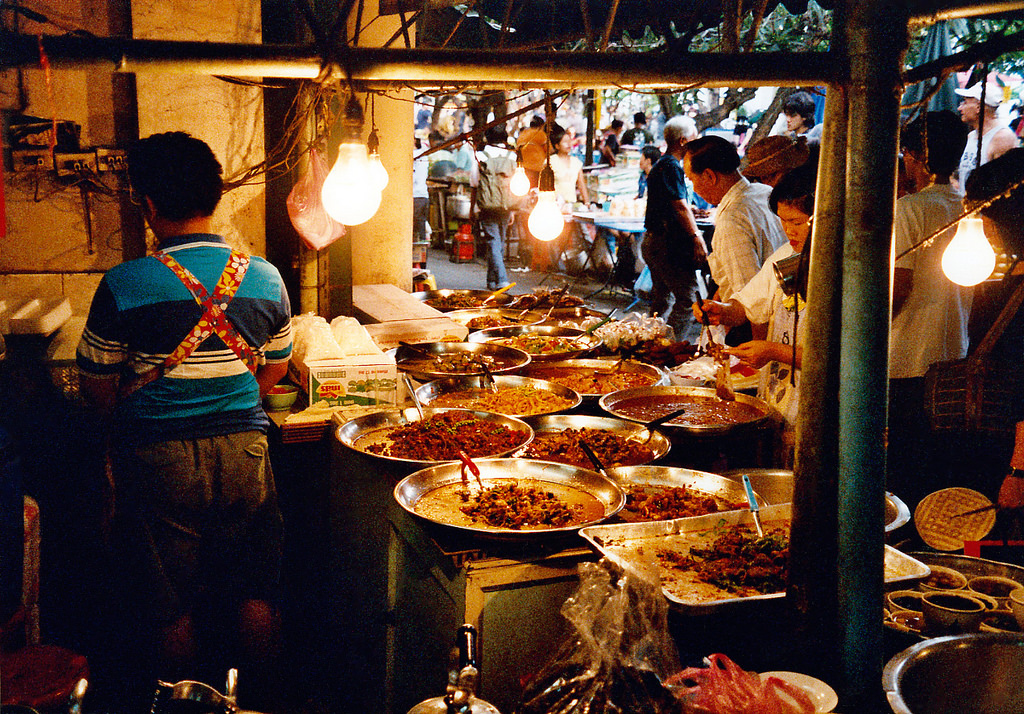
(468, 464)
(488, 378)
(497, 292)
(723, 377)
(755, 509)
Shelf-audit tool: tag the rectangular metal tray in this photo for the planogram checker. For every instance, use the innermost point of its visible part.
(634, 547)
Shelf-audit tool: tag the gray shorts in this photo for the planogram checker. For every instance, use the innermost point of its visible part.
(197, 520)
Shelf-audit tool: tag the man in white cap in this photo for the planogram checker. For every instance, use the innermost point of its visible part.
(996, 137)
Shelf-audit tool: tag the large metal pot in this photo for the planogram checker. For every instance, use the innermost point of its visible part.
(458, 205)
(979, 672)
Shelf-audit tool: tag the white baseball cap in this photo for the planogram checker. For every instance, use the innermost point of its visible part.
(993, 95)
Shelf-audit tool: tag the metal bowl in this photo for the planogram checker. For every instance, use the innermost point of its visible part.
(776, 486)
(571, 480)
(723, 490)
(473, 298)
(979, 672)
(430, 391)
(515, 317)
(372, 429)
(659, 443)
(569, 314)
(506, 359)
(613, 403)
(584, 341)
(538, 370)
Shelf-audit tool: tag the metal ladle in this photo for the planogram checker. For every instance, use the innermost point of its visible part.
(412, 394)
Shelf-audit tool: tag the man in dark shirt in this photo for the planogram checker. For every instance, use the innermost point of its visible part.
(638, 135)
(673, 246)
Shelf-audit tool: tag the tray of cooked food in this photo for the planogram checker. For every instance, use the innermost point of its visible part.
(401, 435)
(512, 395)
(433, 360)
(663, 493)
(514, 499)
(707, 413)
(447, 299)
(615, 442)
(717, 561)
(541, 342)
(482, 318)
(592, 378)
(545, 299)
(569, 316)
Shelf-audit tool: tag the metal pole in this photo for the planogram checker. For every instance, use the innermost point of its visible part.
(877, 40)
(813, 584)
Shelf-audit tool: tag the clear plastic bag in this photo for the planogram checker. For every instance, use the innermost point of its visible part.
(618, 656)
(306, 209)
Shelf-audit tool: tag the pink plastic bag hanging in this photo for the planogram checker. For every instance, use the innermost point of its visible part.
(306, 211)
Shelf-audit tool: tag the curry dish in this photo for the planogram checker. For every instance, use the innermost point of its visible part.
(701, 410)
(610, 448)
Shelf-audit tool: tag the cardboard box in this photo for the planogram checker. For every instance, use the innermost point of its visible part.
(387, 335)
(362, 380)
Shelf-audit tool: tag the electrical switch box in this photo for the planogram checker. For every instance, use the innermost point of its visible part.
(31, 160)
(111, 159)
(75, 164)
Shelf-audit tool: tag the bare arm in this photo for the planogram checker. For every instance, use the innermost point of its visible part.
(98, 392)
(581, 187)
(758, 353)
(720, 313)
(1002, 141)
(267, 375)
(685, 217)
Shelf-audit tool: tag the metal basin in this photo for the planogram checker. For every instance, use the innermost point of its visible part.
(512, 317)
(979, 672)
(776, 486)
(414, 361)
(447, 300)
(562, 371)
(659, 443)
(665, 399)
(429, 393)
(579, 341)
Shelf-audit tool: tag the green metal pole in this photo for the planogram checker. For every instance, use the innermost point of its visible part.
(877, 40)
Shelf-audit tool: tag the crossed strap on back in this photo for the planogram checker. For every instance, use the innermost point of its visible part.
(213, 321)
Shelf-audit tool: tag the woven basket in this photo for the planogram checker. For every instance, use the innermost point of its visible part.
(939, 523)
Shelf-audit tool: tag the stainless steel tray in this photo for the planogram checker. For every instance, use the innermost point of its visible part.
(611, 404)
(463, 317)
(563, 479)
(587, 366)
(430, 391)
(724, 490)
(634, 545)
(580, 339)
(431, 297)
(372, 429)
(506, 359)
(659, 443)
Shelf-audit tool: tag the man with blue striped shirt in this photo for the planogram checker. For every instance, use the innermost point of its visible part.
(179, 349)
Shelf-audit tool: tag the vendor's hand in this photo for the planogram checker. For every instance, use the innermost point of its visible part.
(700, 250)
(713, 309)
(1011, 493)
(756, 353)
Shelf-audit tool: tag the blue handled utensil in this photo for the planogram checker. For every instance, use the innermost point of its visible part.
(754, 508)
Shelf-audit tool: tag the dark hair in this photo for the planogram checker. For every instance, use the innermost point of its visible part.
(616, 123)
(796, 188)
(537, 120)
(178, 173)
(801, 103)
(556, 133)
(712, 152)
(496, 135)
(992, 179)
(639, 118)
(947, 136)
(652, 152)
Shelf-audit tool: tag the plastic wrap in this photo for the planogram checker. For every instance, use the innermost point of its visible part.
(306, 209)
(313, 340)
(353, 338)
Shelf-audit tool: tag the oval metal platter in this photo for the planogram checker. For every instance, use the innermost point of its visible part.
(659, 443)
(429, 392)
(505, 359)
(574, 315)
(372, 429)
(447, 300)
(727, 493)
(511, 317)
(428, 494)
(611, 403)
(585, 342)
(584, 368)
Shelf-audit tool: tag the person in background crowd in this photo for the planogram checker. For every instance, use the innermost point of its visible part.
(442, 161)
(649, 156)
(494, 222)
(638, 135)
(747, 232)
(610, 142)
(799, 109)
(769, 159)
(673, 247)
(763, 301)
(424, 111)
(569, 181)
(178, 349)
(628, 262)
(420, 195)
(534, 147)
(996, 137)
(929, 312)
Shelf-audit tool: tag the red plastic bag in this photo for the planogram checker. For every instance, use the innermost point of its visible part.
(306, 211)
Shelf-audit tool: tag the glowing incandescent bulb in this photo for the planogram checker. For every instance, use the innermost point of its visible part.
(378, 174)
(350, 194)
(969, 258)
(520, 184)
(546, 221)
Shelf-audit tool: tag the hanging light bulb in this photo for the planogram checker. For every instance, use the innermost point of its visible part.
(969, 258)
(520, 184)
(349, 195)
(546, 221)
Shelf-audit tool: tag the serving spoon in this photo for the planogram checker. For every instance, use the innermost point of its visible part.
(655, 423)
(594, 460)
(755, 511)
(412, 394)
